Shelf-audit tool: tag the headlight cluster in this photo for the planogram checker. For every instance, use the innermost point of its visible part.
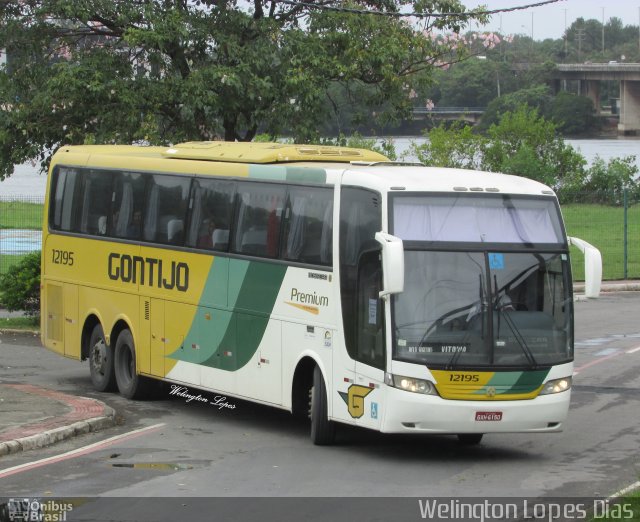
(556, 386)
(410, 384)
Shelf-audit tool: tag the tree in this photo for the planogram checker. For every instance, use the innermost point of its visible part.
(20, 285)
(522, 143)
(526, 144)
(536, 96)
(573, 114)
(164, 71)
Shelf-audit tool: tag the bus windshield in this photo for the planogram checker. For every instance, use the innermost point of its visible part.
(496, 305)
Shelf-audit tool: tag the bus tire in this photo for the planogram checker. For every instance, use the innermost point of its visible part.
(323, 431)
(469, 439)
(101, 361)
(130, 384)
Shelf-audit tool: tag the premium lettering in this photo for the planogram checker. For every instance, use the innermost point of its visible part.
(306, 298)
(148, 271)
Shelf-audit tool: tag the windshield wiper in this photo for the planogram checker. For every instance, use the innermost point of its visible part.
(521, 341)
(483, 307)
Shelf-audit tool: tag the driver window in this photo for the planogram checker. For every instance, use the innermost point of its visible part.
(370, 318)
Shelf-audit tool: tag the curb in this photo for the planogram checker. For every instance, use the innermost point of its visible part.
(47, 438)
(85, 415)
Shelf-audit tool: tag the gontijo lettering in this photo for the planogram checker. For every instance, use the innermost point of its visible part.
(148, 271)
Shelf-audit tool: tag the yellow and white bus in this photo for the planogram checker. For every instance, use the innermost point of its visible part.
(326, 281)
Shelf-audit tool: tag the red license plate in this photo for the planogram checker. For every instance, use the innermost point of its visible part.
(488, 416)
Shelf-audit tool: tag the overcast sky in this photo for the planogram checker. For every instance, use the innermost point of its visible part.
(549, 20)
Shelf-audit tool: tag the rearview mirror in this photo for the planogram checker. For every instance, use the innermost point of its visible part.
(392, 263)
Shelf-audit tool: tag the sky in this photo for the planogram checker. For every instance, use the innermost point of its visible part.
(549, 21)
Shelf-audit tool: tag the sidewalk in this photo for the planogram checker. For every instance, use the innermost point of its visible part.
(34, 417)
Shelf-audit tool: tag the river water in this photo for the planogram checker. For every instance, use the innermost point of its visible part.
(28, 182)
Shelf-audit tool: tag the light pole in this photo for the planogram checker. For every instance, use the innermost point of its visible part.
(603, 32)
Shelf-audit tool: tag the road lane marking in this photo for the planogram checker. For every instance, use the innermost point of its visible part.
(603, 358)
(628, 489)
(96, 446)
(594, 362)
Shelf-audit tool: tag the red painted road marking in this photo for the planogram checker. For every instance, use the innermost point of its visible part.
(79, 452)
(81, 408)
(602, 359)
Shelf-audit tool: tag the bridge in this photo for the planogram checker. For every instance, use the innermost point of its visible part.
(470, 114)
(589, 76)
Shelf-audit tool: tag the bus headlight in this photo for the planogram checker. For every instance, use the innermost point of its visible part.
(556, 386)
(410, 384)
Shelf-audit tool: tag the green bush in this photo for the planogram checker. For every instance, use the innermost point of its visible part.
(20, 286)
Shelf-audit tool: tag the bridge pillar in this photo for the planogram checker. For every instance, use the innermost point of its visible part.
(629, 107)
(591, 89)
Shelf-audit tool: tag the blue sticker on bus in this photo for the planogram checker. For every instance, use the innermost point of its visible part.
(496, 261)
(374, 410)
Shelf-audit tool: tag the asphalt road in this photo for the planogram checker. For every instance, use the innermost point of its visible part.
(200, 450)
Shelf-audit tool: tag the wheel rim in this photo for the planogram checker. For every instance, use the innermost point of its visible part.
(99, 357)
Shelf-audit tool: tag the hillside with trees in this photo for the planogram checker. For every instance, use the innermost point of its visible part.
(505, 71)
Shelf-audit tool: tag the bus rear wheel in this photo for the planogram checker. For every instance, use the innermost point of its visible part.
(101, 361)
(469, 439)
(130, 384)
(323, 431)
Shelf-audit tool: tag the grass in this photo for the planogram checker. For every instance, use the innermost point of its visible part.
(19, 214)
(603, 227)
(19, 323)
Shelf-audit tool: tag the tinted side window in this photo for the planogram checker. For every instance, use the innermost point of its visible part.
(65, 199)
(260, 208)
(166, 211)
(308, 236)
(211, 214)
(128, 205)
(360, 219)
(95, 202)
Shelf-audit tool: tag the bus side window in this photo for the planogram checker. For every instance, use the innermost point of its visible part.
(128, 204)
(65, 200)
(95, 207)
(259, 214)
(308, 229)
(211, 207)
(166, 209)
(370, 348)
(360, 219)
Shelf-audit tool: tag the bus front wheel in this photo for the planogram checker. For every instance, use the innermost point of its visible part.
(101, 361)
(130, 384)
(322, 429)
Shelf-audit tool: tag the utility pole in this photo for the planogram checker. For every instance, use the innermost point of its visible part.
(565, 34)
(603, 31)
(580, 37)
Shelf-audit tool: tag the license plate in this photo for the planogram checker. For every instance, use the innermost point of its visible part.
(488, 416)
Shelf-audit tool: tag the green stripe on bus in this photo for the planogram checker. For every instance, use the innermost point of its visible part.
(229, 338)
(291, 174)
(515, 382)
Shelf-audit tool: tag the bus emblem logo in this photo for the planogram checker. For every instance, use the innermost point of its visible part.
(354, 399)
(491, 391)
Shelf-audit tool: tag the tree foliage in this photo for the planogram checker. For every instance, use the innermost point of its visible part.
(522, 143)
(20, 285)
(164, 71)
